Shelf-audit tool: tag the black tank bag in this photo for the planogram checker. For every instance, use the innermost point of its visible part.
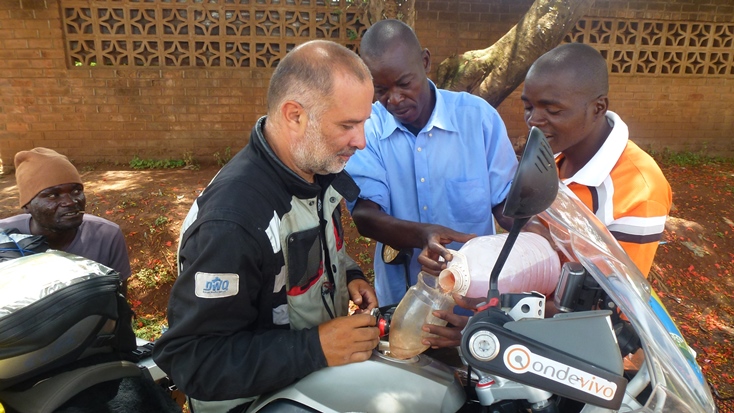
(59, 312)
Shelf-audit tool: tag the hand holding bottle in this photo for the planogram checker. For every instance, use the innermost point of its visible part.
(450, 335)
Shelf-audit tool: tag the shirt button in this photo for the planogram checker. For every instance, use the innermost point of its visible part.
(425, 207)
(430, 135)
(333, 267)
(332, 199)
(419, 149)
(423, 179)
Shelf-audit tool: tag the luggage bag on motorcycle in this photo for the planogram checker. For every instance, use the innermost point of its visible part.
(59, 312)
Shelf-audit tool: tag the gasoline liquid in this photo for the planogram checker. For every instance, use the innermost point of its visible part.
(414, 310)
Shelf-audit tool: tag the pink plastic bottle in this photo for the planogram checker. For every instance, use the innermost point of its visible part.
(532, 265)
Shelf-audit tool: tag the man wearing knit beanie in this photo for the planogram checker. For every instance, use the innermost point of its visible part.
(51, 194)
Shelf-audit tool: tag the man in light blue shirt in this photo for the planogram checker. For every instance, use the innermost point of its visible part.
(437, 166)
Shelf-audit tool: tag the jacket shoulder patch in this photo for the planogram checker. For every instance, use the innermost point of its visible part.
(213, 285)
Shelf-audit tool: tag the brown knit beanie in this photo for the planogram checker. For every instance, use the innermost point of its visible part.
(42, 168)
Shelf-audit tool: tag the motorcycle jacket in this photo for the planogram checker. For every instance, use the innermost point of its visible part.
(261, 264)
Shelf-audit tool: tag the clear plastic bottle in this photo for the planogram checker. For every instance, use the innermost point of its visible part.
(414, 310)
(533, 265)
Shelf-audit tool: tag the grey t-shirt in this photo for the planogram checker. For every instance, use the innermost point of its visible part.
(97, 239)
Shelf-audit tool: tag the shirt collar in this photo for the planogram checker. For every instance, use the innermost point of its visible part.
(441, 117)
(602, 163)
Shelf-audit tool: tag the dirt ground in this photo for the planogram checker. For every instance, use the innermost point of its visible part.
(692, 272)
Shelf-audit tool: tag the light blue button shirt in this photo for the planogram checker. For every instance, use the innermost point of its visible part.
(453, 173)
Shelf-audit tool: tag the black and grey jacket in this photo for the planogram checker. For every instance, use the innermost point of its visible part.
(261, 264)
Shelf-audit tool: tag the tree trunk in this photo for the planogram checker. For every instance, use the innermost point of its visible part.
(407, 12)
(403, 10)
(493, 73)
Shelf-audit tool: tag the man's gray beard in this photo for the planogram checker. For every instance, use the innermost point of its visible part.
(307, 152)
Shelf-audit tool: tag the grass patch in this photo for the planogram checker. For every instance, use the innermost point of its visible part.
(687, 158)
(138, 163)
(155, 275)
(223, 158)
(364, 258)
(149, 326)
(190, 161)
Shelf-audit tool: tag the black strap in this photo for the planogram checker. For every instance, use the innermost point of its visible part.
(327, 259)
(19, 245)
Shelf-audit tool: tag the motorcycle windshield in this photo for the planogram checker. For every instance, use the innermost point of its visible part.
(677, 381)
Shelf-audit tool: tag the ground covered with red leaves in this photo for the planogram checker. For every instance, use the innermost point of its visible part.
(694, 266)
(692, 271)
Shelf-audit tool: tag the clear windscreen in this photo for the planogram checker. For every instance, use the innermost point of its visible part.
(676, 378)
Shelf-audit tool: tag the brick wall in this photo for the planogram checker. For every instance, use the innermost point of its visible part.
(113, 114)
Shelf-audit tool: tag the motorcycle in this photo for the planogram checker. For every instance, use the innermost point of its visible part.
(515, 360)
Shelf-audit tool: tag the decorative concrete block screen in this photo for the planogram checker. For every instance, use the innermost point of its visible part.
(654, 47)
(201, 33)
